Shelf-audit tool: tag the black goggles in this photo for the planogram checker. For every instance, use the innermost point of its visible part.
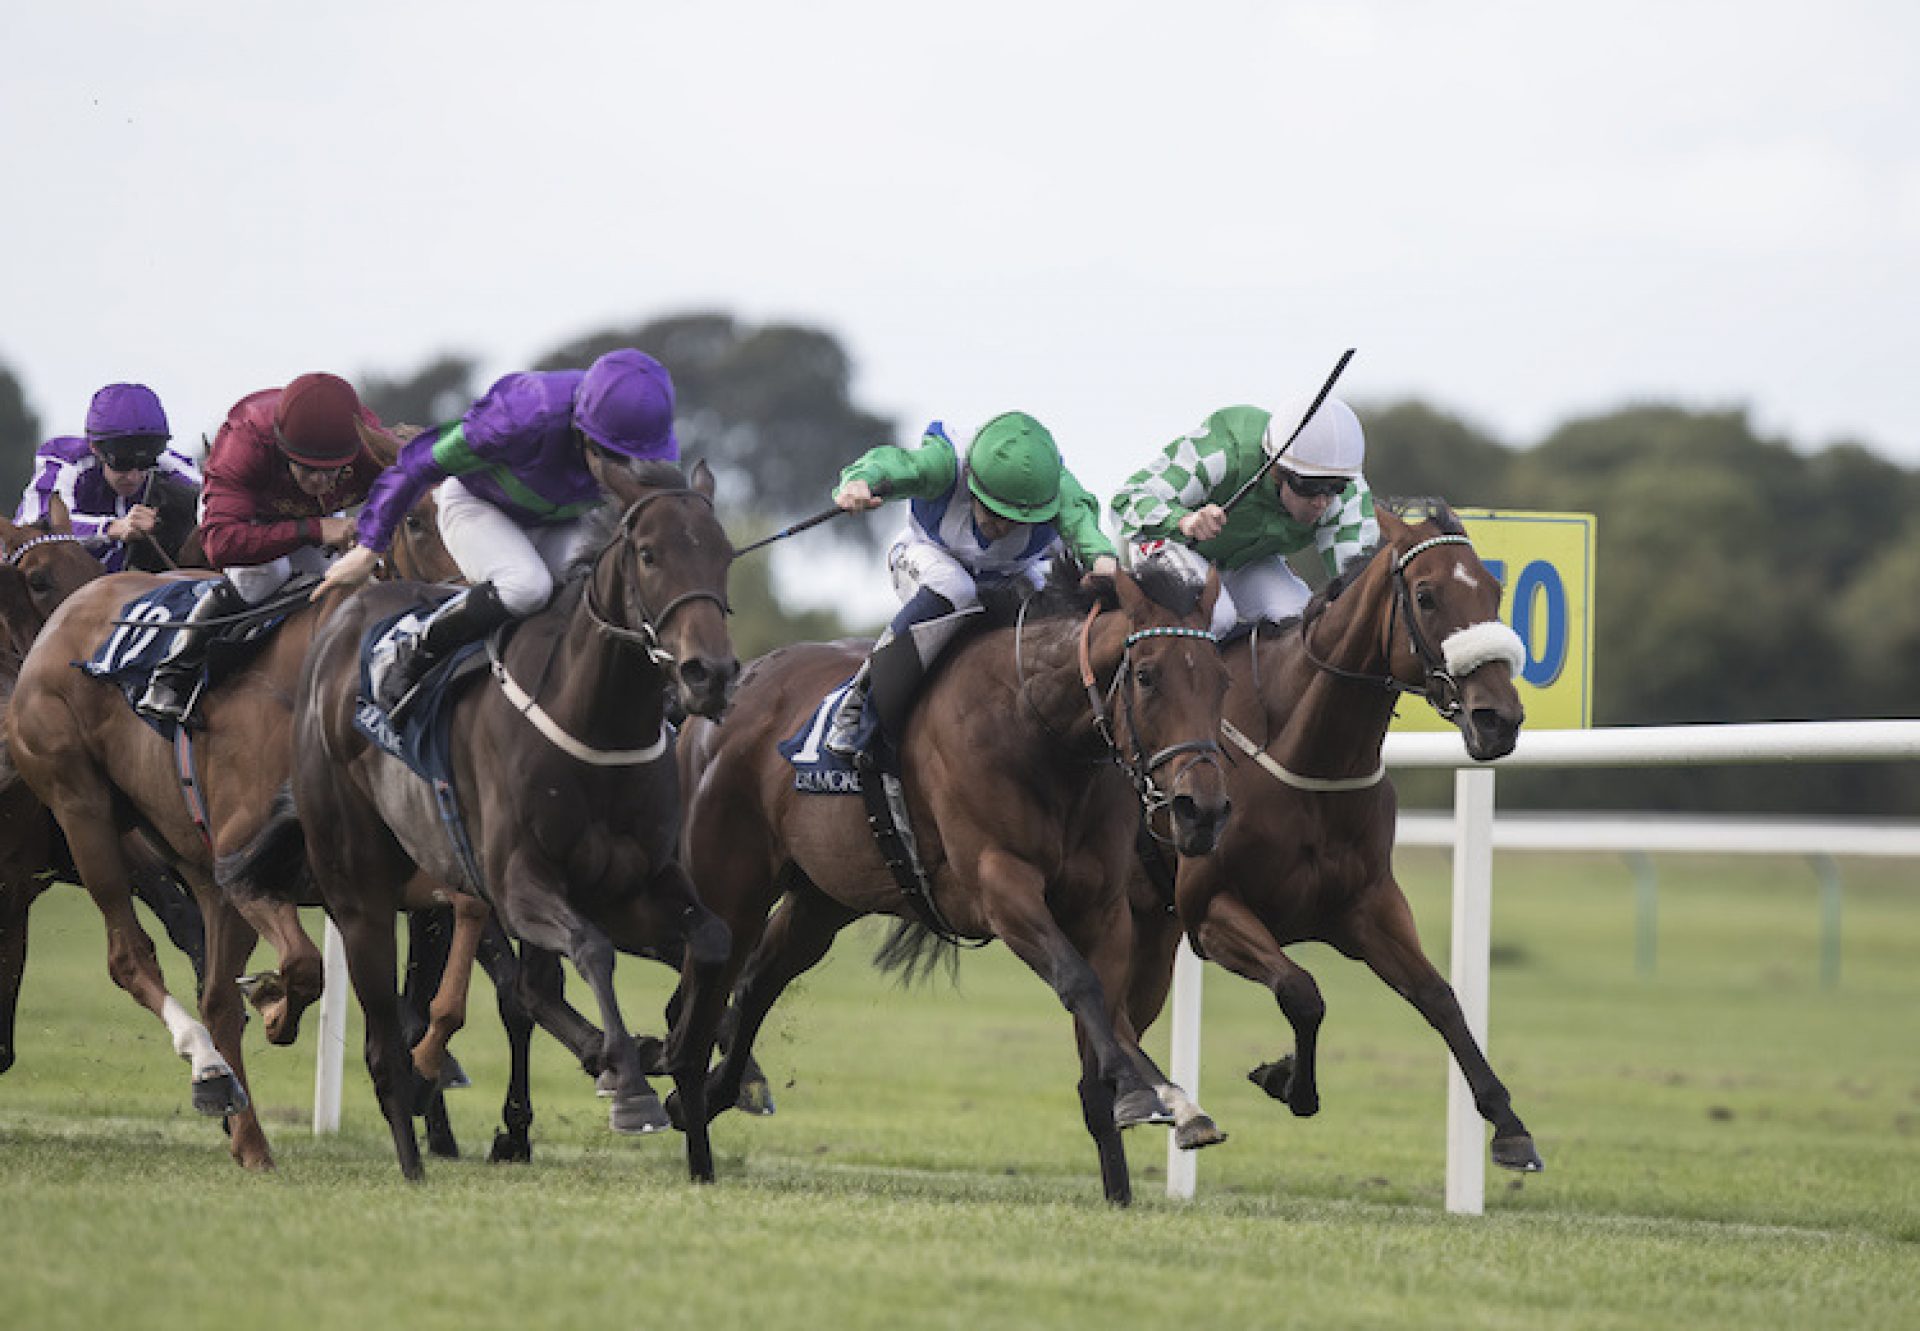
(130, 459)
(1314, 487)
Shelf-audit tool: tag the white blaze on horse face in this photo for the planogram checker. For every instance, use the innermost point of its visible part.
(1460, 572)
(192, 1042)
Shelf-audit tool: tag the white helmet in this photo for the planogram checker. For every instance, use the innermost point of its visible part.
(1331, 445)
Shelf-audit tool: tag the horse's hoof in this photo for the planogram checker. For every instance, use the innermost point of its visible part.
(1197, 1132)
(1138, 1108)
(638, 1115)
(1304, 1105)
(607, 1084)
(453, 1077)
(1517, 1153)
(219, 1095)
(1274, 1078)
(510, 1148)
(756, 1098)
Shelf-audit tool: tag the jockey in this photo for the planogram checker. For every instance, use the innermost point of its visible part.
(995, 515)
(1171, 511)
(285, 464)
(517, 475)
(112, 480)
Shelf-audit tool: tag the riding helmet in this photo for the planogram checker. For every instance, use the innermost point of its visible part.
(625, 405)
(122, 411)
(1013, 467)
(1331, 445)
(315, 423)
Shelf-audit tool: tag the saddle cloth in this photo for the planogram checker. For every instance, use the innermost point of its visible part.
(131, 652)
(818, 770)
(423, 738)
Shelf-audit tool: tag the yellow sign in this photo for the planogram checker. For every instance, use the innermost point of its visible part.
(1545, 561)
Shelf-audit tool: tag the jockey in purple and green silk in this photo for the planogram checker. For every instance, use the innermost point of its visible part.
(517, 475)
(993, 515)
(107, 479)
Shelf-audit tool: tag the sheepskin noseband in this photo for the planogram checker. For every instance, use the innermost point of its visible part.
(1467, 649)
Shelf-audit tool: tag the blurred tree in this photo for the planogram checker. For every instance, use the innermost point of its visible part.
(767, 407)
(1414, 450)
(19, 437)
(438, 391)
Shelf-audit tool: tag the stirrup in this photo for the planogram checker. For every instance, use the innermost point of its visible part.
(166, 701)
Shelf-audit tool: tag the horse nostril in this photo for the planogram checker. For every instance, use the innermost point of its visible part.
(693, 673)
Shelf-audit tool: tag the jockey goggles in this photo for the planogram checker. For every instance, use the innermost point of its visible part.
(1314, 487)
(126, 455)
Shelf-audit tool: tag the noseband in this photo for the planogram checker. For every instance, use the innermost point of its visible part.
(647, 636)
(1439, 685)
(1139, 767)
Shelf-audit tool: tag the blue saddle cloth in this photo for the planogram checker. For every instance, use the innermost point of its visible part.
(818, 770)
(131, 652)
(423, 739)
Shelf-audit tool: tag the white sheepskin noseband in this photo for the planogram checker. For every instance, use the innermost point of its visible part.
(1470, 648)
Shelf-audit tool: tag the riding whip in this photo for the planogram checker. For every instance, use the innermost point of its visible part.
(146, 493)
(881, 489)
(1268, 465)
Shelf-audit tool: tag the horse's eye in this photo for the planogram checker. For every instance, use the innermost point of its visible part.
(1424, 598)
(40, 581)
(413, 523)
(1143, 677)
(646, 555)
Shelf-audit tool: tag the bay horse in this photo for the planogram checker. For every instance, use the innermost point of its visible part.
(1309, 855)
(1023, 809)
(564, 777)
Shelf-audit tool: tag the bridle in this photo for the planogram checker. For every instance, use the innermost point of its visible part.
(14, 555)
(1438, 684)
(1137, 764)
(647, 636)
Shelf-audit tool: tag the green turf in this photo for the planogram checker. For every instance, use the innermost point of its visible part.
(1728, 1144)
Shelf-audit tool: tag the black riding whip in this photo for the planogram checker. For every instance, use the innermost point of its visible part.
(1274, 457)
(881, 490)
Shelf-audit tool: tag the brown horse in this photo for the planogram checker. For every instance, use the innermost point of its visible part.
(1310, 852)
(563, 774)
(42, 565)
(1023, 811)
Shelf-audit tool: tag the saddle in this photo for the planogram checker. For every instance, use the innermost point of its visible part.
(144, 631)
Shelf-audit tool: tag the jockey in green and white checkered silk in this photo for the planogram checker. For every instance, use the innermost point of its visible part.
(1170, 511)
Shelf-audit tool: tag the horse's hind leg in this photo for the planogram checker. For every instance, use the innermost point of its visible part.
(512, 1142)
(1383, 935)
(372, 959)
(18, 888)
(1234, 937)
(230, 939)
(448, 1011)
(283, 997)
(428, 934)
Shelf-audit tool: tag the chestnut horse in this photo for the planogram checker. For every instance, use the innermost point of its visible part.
(564, 776)
(1022, 807)
(1310, 853)
(43, 564)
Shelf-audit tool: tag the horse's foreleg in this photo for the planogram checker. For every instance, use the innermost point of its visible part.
(1385, 937)
(18, 888)
(230, 940)
(448, 1012)
(1096, 1112)
(175, 908)
(372, 962)
(513, 1143)
(301, 975)
(1233, 936)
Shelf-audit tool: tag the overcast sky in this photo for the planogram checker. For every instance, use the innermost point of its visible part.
(1116, 216)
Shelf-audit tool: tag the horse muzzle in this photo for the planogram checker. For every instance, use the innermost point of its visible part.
(705, 684)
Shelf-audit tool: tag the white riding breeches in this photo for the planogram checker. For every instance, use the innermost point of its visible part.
(522, 563)
(915, 564)
(1265, 589)
(256, 582)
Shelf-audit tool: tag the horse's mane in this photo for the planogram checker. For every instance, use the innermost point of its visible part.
(602, 524)
(1063, 596)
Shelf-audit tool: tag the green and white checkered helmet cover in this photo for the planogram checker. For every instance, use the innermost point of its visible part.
(1013, 467)
(1331, 445)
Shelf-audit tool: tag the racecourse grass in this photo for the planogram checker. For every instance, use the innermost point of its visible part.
(1728, 1143)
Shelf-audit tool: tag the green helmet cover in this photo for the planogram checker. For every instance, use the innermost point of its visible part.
(1013, 467)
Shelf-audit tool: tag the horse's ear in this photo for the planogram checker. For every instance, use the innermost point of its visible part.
(58, 518)
(1209, 594)
(1392, 526)
(383, 445)
(703, 478)
(1132, 599)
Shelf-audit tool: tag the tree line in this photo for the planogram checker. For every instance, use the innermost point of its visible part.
(1737, 577)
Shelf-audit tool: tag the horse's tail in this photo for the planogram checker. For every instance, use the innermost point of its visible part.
(274, 863)
(915, 952)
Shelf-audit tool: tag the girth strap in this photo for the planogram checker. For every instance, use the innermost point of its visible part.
(187, 769)
(881, 792)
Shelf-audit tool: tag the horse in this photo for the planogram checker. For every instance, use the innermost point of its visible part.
(1025, 794)
(1309, 853)
(44, 563)
(563, 774)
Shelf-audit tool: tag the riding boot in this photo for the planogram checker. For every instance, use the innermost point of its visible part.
(872, 718)
(176, 680)
(466, 618)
